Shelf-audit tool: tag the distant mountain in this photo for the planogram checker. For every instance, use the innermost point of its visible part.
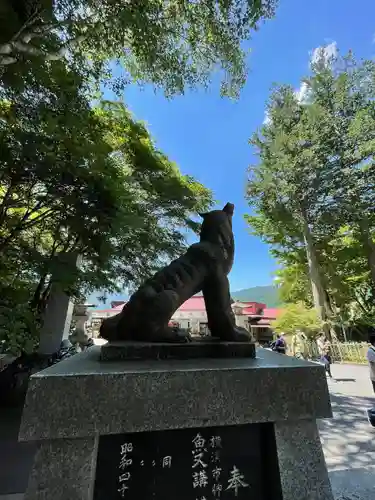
(265, 294)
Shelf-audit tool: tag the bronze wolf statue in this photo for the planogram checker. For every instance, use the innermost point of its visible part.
(204, 267)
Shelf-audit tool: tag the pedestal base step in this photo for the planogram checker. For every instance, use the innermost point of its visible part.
(198, 348)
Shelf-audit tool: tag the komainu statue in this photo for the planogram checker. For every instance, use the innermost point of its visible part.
(204, 267)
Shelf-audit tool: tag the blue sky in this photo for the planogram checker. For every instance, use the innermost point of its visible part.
(207, 136)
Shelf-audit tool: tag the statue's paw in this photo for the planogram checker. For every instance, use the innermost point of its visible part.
(236, 334)
(173, 335)
(242, 335)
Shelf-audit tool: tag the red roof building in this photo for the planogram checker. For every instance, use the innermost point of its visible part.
(271, 313)
(118, 304)
(195, 303)
(254, 316)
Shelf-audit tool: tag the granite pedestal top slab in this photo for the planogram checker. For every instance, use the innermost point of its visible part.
(83, 396)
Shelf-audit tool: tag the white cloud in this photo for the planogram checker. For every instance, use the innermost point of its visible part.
(303, 93)
(267, 118)
(326, 54)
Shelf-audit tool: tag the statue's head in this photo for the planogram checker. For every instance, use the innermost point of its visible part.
(217, 228)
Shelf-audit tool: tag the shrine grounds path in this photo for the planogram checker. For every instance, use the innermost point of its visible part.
(348, 440)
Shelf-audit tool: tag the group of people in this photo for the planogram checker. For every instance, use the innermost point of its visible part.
(299, 345)
(300, 348)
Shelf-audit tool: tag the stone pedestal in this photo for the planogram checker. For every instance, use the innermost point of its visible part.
(201, 348)
(72, 404)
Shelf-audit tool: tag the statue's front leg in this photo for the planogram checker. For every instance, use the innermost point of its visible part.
(221, 319)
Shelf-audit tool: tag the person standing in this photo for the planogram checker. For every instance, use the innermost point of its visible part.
(280, 344)
(371, 360)
(299, 345)
(320, 342)
(324, 347)
(294, 345)
(328, 357)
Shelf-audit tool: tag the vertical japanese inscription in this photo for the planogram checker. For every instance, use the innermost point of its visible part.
(167, 462)
(236, 481)
(215, 448)
(208, 470)
(220, 463)
(125, 464)
(199, 465)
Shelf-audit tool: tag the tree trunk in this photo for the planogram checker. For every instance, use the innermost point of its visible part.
(38, 292)
(44, 298)
(320, 296)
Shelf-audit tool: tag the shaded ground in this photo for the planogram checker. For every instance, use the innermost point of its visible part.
(348, 440)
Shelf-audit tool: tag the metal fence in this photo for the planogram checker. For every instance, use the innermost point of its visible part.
(354, 352)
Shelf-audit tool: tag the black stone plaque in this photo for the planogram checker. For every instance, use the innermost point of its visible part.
(211, 463)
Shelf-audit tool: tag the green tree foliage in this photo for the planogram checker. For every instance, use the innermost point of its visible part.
(81, 177)
(172, 44)
(19, 325)
(312, 192)
(294, 284)
(298, 317)
(84, 179)
(284, 189)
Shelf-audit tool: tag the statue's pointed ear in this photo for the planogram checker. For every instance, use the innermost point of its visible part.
(229, 208)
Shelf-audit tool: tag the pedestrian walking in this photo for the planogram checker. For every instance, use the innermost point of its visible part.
(324, 347)
(371, 361)
(280, 344)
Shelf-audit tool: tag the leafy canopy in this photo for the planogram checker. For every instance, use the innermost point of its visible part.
(316, 168)
(174, 45)
(82, 179)
(297, 317)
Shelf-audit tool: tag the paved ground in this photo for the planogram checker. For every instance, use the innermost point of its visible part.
(348, 441)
